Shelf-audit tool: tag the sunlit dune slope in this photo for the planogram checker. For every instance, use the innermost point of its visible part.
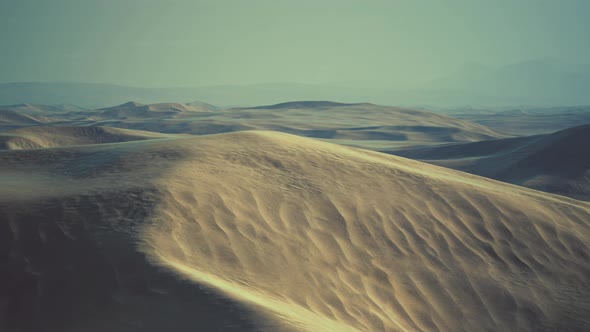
(372, 242)
(46, 137)
(313, 235)
(557, 163)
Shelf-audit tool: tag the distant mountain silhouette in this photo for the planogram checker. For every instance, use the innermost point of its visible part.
(534, 82)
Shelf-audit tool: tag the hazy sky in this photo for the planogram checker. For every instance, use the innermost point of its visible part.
(379, 43)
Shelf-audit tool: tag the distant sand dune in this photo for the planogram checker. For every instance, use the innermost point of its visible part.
(137, 110)
(46, 137)
(361, 124)
(362, 121)
(12, 117)
(557, 163)
(309, 235)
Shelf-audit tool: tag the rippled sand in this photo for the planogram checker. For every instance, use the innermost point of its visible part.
(312, 236)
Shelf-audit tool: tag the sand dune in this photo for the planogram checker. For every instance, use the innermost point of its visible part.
(47, 137)
(557, 163)
(203, 106)
(362, 125)
(40, 109)
(24, 115)
(10, 117)
(314, 104)
(527, 121)
(300, 234)
(178, 107)
(367, 116)
(137, 110)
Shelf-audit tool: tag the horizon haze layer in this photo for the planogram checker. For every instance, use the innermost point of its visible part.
(452, 52)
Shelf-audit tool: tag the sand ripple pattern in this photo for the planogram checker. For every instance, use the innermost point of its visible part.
(329, 238)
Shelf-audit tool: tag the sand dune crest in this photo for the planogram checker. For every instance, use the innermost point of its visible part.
(371, 242)
(311, 235)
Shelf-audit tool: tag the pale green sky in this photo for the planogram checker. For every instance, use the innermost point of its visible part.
(378, 43)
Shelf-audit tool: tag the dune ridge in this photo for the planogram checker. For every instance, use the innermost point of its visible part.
(321, 237)
(410, 247)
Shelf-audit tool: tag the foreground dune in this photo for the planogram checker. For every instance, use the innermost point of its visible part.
(301, 234)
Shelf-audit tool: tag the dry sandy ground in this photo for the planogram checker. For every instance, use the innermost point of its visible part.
(558, 163)
(293, 233)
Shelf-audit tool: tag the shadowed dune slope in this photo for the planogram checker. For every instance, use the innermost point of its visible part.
(310, 235)
(557, 163)
(47, 137)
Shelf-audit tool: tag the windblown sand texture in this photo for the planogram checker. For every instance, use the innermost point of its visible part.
(300, 234)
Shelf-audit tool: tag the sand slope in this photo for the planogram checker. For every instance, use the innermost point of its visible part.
(557, 163)
(309, 235)
(46, 137)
